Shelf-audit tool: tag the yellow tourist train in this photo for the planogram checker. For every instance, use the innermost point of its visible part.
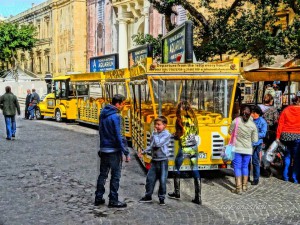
(80, 97)
(152, 90)
(70, 96)
(208, 88)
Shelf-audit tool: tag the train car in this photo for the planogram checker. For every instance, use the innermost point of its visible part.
(117, 82)
(89, 107)
(68, 93)
(161, 89)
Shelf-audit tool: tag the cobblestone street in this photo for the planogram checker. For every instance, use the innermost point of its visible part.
(48, 176)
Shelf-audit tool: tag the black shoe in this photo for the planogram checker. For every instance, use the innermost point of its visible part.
(9, 139)
(255, 182)
(117, 204)
(99, 202)
(173, 195)
(13, 135)
(197, 201)
(162, 202)
(145, 199)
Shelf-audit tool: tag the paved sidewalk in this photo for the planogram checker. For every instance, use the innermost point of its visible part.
(48, 176)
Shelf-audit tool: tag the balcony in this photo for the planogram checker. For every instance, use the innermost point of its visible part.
(132, 7)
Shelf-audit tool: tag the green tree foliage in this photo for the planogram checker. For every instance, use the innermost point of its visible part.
(293, 38)
(257, 33)
(234, 29)
(14, 37)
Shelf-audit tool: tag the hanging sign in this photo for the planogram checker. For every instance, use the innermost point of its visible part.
(177, 45)
(137, 55)
(104, 63)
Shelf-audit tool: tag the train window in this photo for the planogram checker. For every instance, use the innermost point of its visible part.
(82, 89)
(63, 89)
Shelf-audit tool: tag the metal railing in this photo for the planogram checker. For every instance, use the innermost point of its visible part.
(31, 73)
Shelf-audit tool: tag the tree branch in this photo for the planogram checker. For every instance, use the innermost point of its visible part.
(234, 5)
(194, 12)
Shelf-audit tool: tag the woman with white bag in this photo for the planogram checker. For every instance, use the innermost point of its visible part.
(246, 134)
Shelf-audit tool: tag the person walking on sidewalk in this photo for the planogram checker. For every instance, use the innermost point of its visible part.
(112, 145)
(27, 102)
(159, 142)
(35, 99)
(9, 104)
(262, 127)
(246, 135)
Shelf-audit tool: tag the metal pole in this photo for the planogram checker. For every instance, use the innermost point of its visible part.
(289, 86)
(159, 98)
(256, 92)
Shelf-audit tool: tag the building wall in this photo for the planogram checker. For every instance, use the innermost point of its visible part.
(101, 29)
(138, 17)
(61, 45)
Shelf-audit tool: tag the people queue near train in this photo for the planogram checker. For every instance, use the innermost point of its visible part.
(253, 128)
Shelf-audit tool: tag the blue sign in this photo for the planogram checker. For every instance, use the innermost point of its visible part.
(138, 54)
(104, 63)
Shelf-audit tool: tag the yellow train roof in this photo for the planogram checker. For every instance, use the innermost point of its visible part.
(87, 77)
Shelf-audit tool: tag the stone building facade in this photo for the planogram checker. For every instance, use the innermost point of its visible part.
(111, 25)
(61, 45)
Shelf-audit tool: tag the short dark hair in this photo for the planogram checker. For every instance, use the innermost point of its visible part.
(7, 89)
(118, 99)
(161, 119)
(256, 109)
(245, 108)
(33, 90)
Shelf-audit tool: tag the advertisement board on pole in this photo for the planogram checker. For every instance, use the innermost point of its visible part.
(104, 63)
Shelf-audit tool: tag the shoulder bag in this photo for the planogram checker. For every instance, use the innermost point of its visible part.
(229, 150)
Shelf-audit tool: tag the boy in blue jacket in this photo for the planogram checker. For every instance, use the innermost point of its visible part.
(112, 147)
(262, 127)
(158, 147)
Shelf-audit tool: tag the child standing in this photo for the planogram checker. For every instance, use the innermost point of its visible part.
(159, 142)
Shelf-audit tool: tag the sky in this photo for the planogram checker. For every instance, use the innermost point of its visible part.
(14, 7)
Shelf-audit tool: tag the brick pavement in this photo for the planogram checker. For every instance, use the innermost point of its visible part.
(48, 176)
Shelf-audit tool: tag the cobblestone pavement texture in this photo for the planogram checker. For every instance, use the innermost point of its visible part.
(48, 176)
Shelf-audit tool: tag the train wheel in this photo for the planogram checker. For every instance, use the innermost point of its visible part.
(38, 114)
(58, 115)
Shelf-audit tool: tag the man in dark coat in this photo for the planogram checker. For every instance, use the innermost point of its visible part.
(28, 99)
(9, 104)
(113, 145)
(35, 99)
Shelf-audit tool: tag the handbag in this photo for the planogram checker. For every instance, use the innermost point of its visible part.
(229, 150)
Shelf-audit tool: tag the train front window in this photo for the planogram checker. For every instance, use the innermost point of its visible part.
(211, 96)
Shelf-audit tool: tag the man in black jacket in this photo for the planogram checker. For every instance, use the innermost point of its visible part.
(28, 99)
(112, 146)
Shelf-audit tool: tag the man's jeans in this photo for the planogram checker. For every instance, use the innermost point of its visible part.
(10, 122)
(293, 151)
(113, 162)
(256, 162)
(31, 110)
(158, 170)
